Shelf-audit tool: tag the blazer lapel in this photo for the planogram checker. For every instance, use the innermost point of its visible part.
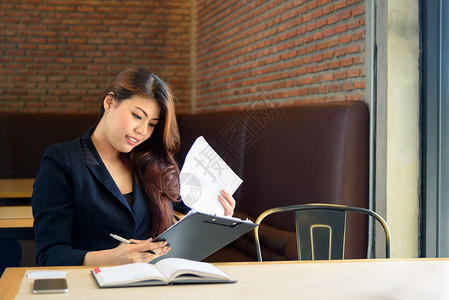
(98, 169)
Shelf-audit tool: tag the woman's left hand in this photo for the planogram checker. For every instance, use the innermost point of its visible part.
(228, 203)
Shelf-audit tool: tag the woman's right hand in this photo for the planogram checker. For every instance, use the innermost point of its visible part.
(128, 253)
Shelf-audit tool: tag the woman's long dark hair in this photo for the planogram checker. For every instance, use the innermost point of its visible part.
(153, 161)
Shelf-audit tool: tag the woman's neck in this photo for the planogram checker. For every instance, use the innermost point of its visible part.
(106, 151)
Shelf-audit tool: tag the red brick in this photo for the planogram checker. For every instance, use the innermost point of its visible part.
(322, 2)
(318, 57)
(340, 75)
(318, 36)
(64, 60)
(24, 59)
(359, 84)
(321, 46)
(359, 35)
(328, 77)
(311, 26)
(314, 90)
(322, 67)
(353, 49)
(341, 28)
(303, 9)
(345, 39)
(76, 41)
(354, 73)
(6, 6)
(85, 8)
(311, 69)
(324, 89)
(65, 8)
(332, 19)
(307, 80)
(340, 97)
(329, 9)
(321, 23)
(329, 31)
(47, 8)
(312, 4)
(11, 20)
(340, 4)
(328, 55)
(15, 104)
(333, 42)
(340, 52)
(358, 10)
(317, 14)
(358, 60)
(47, 47)
(307, 60)
(353, 97)
(37, 40)
(347, 86)
(31, 104)
(354, 24)
(335, 87)
(302, 71)
(346, 62)
(345, 14)
(334, 64)
(15, 52)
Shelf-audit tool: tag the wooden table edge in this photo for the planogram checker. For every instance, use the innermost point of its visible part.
(11, 280)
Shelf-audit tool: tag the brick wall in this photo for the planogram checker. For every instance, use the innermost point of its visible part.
(57, 56)
(281, 51)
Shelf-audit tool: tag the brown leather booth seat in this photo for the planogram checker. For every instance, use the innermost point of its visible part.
(26, 136)
(285, 155)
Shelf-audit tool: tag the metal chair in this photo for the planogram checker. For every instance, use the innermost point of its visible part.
(320, 229)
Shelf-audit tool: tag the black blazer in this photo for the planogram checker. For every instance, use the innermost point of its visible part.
(76, 205)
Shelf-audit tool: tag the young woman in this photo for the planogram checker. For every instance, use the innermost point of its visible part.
(119, 178)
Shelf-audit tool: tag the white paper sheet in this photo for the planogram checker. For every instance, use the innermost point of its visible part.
(47, 274)
(203, 175)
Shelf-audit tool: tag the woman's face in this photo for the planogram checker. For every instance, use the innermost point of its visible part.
(130, 122)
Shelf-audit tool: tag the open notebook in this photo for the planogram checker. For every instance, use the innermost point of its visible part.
(165, 272)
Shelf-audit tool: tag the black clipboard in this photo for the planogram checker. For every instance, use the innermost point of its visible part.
(198, 235)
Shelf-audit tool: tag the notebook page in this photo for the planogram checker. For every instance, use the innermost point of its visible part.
(130, 273)
(172, 267)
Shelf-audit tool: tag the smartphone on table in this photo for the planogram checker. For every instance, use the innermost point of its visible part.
(50, 286)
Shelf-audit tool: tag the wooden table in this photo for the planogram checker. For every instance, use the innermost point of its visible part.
(16, 217)
(16, 221)
(16, 188)
(349, 279)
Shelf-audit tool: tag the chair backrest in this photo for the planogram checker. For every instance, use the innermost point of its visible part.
(320, 229)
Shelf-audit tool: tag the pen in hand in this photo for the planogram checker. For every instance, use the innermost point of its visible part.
(125, 241)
